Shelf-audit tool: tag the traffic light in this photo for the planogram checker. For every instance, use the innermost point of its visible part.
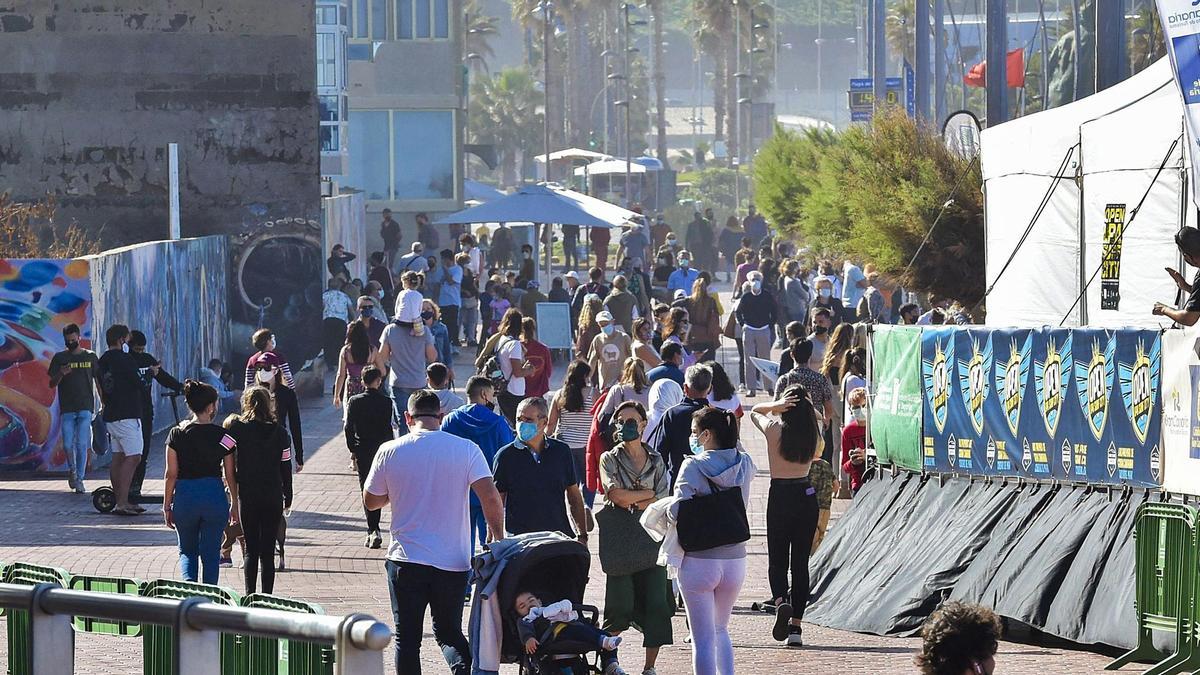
(593, 142)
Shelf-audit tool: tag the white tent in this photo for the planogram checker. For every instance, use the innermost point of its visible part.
(610, 166)
(1074, 162)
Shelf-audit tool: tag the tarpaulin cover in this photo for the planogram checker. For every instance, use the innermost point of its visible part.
(1060, 560)
(896, 409)
(1078, 404)
(1181, 411)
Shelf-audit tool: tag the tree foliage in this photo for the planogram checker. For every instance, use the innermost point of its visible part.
(715, 187)
(504, 112)
(871, 193)
(28, 230)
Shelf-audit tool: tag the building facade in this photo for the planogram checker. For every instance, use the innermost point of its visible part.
(406, 109)
(333, 23)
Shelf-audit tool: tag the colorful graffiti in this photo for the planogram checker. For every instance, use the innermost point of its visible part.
(37, 298)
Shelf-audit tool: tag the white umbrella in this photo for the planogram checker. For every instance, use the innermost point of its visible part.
(544, 204)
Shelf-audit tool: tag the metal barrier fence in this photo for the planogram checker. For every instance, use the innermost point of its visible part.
(197, 624)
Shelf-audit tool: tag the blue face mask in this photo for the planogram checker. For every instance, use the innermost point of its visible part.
(526, 431)
(697, 448)
(608, 330)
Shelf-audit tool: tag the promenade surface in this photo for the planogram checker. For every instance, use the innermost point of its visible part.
(328, 564)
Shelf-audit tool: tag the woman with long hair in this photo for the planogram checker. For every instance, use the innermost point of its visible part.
(677, 328)
(705, 315)
(287, 414)
(263, 459)
(634, 477)
(853, 371)
(711, 578)
(643, 343)
(588, 327)
(835, 351)
(570, 418)
(633, 386)
(792, 508)
(356, 354)
(431, 314)
(723, 394)
(514, 366)
(200, 467)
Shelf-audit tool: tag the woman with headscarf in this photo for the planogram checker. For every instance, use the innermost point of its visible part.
(664, 395)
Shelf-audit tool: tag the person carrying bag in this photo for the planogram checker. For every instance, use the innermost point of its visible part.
(637, 592)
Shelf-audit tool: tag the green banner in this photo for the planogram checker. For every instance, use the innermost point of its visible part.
(896, 406)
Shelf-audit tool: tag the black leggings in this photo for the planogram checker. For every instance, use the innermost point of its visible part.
(362, 462)
(791, 526)
(260, 527)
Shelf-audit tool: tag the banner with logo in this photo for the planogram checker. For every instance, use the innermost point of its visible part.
(1080, 405)
(896, 407)
(1181, 411)
(1181, 28)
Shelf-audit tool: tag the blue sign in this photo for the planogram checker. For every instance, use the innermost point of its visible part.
(910, 89)
(1080, 404)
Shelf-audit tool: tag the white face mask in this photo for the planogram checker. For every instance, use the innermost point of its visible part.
(125, 347)
(826, 292)
(272, 344)
(266, 376)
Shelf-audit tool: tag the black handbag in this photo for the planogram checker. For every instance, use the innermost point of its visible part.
(715, 519)
(625, 546)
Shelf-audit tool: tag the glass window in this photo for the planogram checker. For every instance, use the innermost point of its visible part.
(327, 15)
(329, 138)
(326, 60)
(379, 19)
(422, 18)
(328, 106)
(358, 51)
(441, 18)
(359, 29)
(404, 28)
(370, 161)
(423, 144)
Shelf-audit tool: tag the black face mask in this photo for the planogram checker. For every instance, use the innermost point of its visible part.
(820, 330)
(426, 315)
(72, 344)
(490, 405)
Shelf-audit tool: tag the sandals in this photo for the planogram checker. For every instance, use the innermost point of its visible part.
(127, 512)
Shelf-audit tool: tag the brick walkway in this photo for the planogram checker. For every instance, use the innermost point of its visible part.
(327, 564)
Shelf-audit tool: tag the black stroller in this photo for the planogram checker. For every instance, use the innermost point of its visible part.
(549, 564)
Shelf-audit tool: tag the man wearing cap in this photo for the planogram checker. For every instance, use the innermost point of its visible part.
(609, 350)
(1188, 241)
(683, 278)
(620, 303)
(533, 295)
(634, 242)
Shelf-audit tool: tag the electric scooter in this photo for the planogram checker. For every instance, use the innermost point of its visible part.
(104, 498)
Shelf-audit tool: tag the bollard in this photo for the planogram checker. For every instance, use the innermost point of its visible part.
(359, 646)
(51, 637)
(195, 650)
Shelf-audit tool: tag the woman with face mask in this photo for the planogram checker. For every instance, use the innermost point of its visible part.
(570, 417)
(287, 414)
(636, 590)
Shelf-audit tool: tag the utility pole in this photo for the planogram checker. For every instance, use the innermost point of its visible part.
(939, 60)
(997, 62)
(735, 157)
(879, 54)
(628, 105)
(605, 54)
(922, 55)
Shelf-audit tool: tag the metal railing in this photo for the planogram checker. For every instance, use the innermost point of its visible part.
(358, 639)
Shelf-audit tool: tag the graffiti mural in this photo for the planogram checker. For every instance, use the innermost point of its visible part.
(37, 298)
(176, 293)
(277, 271)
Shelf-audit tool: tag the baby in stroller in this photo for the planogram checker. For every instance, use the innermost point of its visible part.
(556, 622)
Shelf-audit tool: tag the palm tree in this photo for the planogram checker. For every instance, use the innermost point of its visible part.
(900, 28)
(481, 28)
(712, 23)
(504, 112)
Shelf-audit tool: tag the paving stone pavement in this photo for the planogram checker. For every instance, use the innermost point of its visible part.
(328, 564)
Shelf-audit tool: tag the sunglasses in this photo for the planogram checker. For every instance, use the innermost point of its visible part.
(264, 366)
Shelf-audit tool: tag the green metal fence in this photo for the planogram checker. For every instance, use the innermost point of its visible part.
(1165, 587)
(18, 619)
(283, 657)
(158, 641)
(100, 584)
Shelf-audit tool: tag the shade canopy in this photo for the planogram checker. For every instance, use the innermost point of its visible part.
(475, 191)
(611, 166)
(571, 153)
(544, 204)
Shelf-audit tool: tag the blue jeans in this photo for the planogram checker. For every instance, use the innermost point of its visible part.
(400, 397)
(415, 587)
(201, 512)
(77, 438)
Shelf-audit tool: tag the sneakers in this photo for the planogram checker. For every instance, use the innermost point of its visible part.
(741, 388)
(614, 668)
(752, 393)
(783, 617)
(610, 643)
(649, 671)
(72, 485)
(374, 540)
(226, 562)
(794, 638)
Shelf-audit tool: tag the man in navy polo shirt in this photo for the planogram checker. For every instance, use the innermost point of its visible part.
(533, 472)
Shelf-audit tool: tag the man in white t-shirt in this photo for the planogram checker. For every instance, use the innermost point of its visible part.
(854, 283)
(426, 476)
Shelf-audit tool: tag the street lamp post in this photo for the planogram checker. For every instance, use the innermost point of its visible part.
(545, 7)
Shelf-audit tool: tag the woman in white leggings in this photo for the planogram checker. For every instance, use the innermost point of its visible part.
(710, 579)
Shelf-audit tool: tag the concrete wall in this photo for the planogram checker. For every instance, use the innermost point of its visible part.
(91, 92)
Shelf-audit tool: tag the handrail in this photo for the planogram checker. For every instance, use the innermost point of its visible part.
(359, 632)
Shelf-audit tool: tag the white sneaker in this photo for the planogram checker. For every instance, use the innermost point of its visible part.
(610, 643)
(649, 671)
(614, 668)
(795, 638)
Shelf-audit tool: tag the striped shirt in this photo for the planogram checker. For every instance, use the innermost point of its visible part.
(574, 428)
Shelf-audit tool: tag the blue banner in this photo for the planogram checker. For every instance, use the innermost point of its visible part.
(1081, 405)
